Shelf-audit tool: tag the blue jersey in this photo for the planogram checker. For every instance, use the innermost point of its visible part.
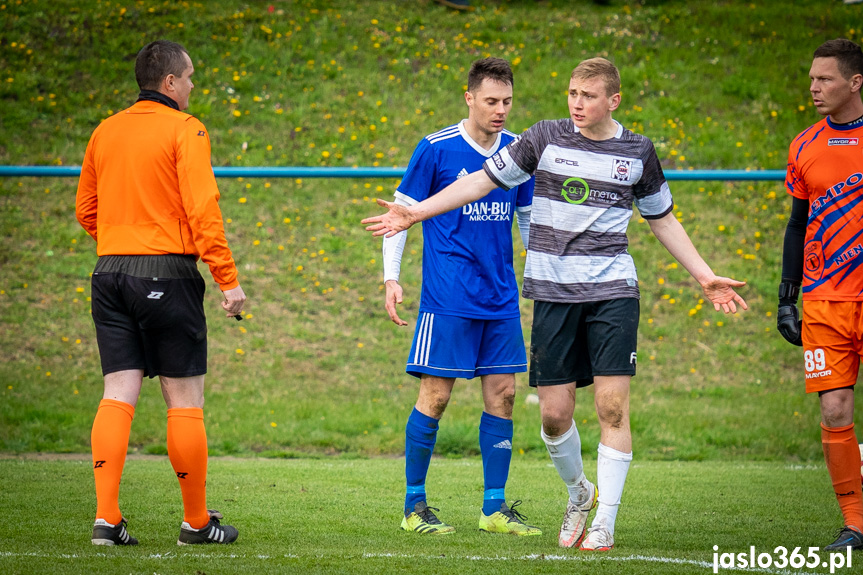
(467, 252)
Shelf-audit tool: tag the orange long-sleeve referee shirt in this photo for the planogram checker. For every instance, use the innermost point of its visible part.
(147, 187)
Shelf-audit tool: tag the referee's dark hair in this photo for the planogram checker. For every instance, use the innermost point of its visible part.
(849, 56)
(156, 60)
(496, 69)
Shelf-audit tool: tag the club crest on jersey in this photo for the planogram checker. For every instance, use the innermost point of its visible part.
(843, 141)
(621, 169)
(813, 260)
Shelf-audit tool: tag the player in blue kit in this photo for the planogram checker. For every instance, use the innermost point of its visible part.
(469, 322)
(590, 173)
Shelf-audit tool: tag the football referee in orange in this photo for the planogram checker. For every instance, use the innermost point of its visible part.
(824, 250)
(148, 196)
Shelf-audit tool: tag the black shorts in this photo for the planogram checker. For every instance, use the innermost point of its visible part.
(149, 315)
(577, 341)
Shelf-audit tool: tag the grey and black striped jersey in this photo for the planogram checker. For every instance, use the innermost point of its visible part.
(582, 205)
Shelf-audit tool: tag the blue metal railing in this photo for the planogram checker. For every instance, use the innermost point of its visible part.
(302, 172)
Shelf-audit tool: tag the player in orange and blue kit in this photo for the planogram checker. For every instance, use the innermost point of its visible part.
(824, 250)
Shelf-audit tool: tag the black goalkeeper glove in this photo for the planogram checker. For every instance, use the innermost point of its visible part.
(788, 321)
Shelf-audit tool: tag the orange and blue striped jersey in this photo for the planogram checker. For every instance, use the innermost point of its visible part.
(825, 167)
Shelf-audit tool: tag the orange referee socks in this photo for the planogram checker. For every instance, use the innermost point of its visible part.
(842, 455)
(110, 441)
(187, 450)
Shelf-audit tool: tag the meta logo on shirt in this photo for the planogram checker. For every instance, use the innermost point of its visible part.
(843, 141)
(498, 161)
(621, 169)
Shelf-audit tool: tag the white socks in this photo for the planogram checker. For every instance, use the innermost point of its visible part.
(565, 452)
(611, 469)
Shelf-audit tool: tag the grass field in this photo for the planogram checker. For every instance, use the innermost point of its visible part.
(308, 394)
(319, 83)
(337, 516)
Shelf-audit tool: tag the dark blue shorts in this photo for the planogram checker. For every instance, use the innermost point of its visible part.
(450, 346)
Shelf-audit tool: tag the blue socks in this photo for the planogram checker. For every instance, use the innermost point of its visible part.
(495, 444)
(420, 436)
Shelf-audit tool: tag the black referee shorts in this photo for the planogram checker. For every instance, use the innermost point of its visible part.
(577, 341)
(149, 315)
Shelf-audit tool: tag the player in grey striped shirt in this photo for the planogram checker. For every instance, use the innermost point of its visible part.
(589, 173)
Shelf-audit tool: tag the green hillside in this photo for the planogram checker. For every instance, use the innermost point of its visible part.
(317, 367)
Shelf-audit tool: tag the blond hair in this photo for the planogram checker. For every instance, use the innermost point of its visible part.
(599, 68)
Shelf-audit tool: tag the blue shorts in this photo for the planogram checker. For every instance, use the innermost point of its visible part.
(450, 346)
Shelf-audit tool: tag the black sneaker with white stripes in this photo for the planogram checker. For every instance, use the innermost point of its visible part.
(106, 534)
(212, 532)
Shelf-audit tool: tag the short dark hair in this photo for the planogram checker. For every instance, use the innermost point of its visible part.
(849, 56)
(156, 60)
(496, 69)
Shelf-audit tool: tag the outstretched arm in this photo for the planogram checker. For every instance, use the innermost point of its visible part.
(461, 192)
(719, 290)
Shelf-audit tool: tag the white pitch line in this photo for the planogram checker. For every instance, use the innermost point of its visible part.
(580, 558)
(583, 558)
